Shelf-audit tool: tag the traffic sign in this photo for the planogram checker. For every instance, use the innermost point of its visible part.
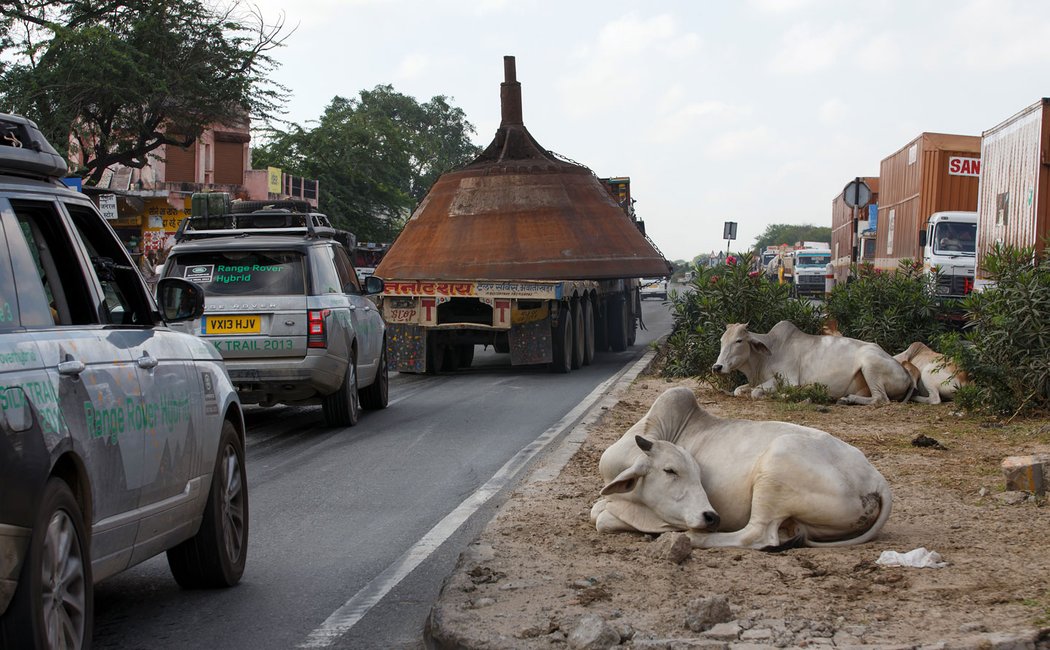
(856, 194)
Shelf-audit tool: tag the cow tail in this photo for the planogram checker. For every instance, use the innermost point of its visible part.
(885, 506)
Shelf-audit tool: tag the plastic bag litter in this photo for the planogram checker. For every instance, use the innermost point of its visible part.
(920, 558)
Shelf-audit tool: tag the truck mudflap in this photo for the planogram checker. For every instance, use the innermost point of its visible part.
(530, 342)
(406, 347)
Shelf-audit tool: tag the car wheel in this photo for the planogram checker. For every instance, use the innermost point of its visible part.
(562, 343)
(53, 606)
(377, 395)
(215, 556)
(343, 407)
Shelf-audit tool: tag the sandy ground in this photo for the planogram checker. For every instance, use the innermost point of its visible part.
(541, 576)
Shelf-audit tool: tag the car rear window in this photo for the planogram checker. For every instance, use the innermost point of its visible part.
(233, 273)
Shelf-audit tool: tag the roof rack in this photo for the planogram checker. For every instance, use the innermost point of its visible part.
(24, 149)
(271, 221)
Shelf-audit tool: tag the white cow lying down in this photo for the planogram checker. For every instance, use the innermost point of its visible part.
(855, 371)
(768, 485)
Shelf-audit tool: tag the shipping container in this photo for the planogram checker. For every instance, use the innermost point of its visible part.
(845, 234)
(935, 172)
(1015, 183)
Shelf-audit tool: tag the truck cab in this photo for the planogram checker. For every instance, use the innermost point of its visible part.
(810, 269)
(949, 249)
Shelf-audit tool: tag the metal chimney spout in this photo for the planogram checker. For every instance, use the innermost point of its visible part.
(510, 95)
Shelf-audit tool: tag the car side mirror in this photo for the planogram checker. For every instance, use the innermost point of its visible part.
(922, 239)
(179, 299)
(373, 285)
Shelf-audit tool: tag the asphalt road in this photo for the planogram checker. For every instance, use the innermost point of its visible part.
(352, 531)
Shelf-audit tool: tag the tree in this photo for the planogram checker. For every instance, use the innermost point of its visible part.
(782, 233)
(375, 156)
(121, 78)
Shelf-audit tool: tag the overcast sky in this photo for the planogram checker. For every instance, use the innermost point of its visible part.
(755, 111)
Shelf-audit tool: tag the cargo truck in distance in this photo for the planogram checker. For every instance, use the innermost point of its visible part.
(811, 266)
(949, 251)
(520, 250)
(936, 174)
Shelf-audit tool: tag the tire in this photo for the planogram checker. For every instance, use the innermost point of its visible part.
(435, 357)
(618, 323)
(343, 407)
(578, 342)
(561, 343)
(601, 324)
(588, 333)
(40, 611)
(465, 354)
(215, 556)
(377, 395)
(244, 207)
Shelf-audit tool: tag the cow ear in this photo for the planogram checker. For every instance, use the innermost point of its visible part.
(760, 347)
(644, 444)
(627, 479)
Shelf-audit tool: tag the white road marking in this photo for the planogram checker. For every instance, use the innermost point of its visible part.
(343, 619)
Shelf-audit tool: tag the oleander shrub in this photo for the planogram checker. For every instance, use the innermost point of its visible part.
(1005, 347)
(893, 309)
(717, 296)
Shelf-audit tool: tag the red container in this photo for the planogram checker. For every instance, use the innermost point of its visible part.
(935, 172)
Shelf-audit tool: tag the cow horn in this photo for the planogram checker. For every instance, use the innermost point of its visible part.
(643, 443)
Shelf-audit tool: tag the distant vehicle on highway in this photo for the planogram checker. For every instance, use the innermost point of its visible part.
(653, 288)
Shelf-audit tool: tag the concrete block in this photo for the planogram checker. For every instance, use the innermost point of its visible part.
(1028, 473)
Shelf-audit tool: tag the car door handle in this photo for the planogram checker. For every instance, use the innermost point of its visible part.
(353, 307)
(367, 308)
(146, 361)
(71, 367)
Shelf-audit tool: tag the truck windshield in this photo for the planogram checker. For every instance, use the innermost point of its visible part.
(812, 260)
(955, 238)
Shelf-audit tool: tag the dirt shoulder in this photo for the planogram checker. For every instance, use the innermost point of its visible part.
(541, 576)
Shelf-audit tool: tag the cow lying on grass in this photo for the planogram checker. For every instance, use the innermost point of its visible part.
(855, 372)
(767, 485)
(939, 378)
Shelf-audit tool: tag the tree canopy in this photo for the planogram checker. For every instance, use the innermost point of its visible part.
(783, 233)
(120, 78)
(375, 156)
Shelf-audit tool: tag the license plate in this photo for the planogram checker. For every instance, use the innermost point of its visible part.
(232, 325)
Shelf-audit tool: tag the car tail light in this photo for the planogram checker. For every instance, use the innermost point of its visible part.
(316, 335)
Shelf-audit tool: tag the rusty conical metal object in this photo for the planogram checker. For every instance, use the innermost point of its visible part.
(517, 212)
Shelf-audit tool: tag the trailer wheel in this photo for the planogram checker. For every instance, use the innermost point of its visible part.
(588, 332)
(601, 324)
(617, 321)
(561, 361)
(578, 342)
(435, 357)
(465, 354)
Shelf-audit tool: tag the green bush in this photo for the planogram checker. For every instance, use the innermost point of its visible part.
(811, 393)
(721, 295)
(891, 309)
(1005, 347)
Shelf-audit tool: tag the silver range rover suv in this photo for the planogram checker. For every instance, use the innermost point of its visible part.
(119, 437)
(285, 309)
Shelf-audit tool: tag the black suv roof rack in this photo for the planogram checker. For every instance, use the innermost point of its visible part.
(268, 221)
(25, 150)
